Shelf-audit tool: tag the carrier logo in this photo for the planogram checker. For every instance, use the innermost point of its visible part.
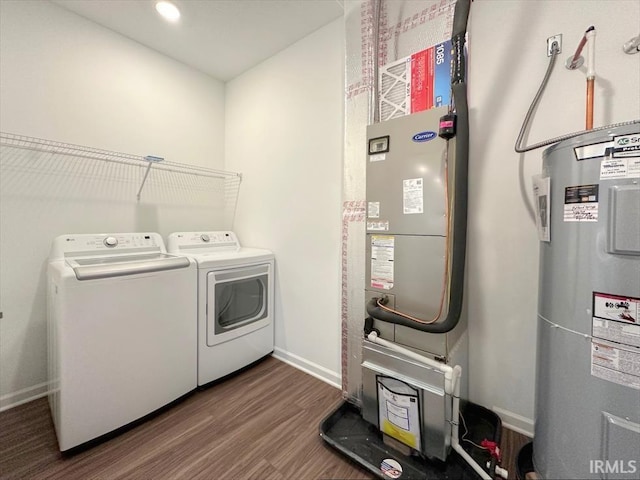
(424, 136)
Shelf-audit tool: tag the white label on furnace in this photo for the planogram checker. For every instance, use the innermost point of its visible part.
(373, 209)
(412, 196)
(379, 226)
(614, 363)
(382, 252)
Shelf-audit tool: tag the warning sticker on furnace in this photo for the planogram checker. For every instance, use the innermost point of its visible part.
(581, 203)
(382, 253)
(373, 209)
(412, 196)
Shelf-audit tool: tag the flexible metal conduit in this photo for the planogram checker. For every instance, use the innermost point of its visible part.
(520, 148)
(459, 247)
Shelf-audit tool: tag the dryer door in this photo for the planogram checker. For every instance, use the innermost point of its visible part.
(238, 302)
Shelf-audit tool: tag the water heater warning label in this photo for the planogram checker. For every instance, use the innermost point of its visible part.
(581, 203)
(382, 253)
(615, 346)
(615, 318)
(611, 362)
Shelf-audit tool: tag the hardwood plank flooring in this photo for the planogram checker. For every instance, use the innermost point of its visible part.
(260, 424)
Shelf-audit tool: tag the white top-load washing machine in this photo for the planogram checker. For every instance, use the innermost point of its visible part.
(235, 301)
(121, 331)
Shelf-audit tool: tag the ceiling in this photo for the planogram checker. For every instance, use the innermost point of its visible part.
(222, 38)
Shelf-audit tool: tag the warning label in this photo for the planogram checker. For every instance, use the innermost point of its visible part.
(412, 196)
(615, 363)
(382, 253)
(373, 209)
(615, 318)
(398, 412)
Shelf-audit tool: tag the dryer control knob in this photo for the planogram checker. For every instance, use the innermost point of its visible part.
(205, 237)
(111, 241)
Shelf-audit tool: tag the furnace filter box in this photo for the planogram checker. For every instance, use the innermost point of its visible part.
(415, 83)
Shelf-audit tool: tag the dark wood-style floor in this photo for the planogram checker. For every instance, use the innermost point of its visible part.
(260, 424)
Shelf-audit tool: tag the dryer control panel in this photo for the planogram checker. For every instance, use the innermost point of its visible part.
(197, 241)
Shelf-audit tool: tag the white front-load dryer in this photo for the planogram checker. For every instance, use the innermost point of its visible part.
(235, 301)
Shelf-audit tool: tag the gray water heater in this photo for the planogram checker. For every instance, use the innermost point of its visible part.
(588, 361)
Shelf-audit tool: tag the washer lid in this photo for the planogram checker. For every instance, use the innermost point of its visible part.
(106, 267)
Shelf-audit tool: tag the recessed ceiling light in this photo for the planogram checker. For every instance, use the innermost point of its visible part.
(168, 10)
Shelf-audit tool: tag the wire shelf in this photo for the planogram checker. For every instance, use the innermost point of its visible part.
(35, 169)
(80, 151)
(22, 155)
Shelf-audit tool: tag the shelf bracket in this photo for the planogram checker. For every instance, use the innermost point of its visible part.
(151, 159)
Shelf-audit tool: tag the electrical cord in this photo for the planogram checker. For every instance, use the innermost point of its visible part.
(466, 431)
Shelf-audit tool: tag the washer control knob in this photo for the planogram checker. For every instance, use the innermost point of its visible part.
(205, 237)
(111, 241)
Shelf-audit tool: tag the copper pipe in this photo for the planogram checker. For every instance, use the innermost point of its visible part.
(576, 56)
(590, 83)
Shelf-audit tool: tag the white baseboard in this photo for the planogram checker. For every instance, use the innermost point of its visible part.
(313, 369)
(25, 395)
(13, 399)
(515, 422)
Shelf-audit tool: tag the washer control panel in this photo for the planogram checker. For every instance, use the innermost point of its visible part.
(110, 241)
(107, 243)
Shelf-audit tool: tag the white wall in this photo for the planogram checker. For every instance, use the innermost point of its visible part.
(284, 124)
(67, 79)
(507, 49)
(284, 131)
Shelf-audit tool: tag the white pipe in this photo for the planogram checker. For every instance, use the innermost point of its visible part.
(591, 53)
(455, 442)
(445, 369)
(502, 472)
